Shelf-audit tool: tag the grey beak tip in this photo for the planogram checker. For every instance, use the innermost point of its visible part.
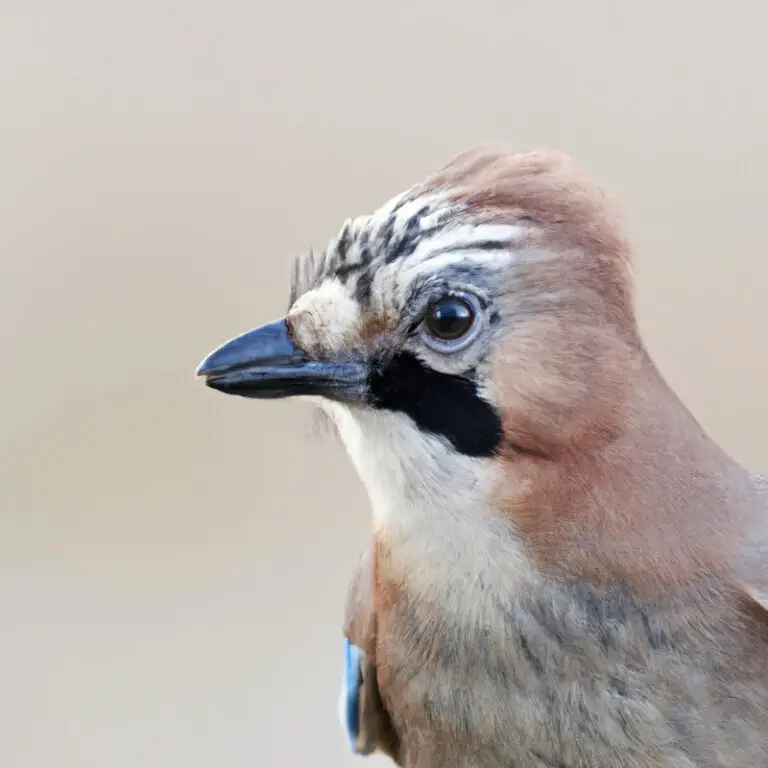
(202, 369)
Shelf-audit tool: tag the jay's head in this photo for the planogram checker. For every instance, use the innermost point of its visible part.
(483, 315)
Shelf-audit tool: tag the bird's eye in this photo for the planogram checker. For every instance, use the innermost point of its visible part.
(452, 322)
(449, 318)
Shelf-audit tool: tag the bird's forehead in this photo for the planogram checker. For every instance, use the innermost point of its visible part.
(367, 245)
(378, 257)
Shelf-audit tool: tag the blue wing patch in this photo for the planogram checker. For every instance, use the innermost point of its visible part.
(350, 694)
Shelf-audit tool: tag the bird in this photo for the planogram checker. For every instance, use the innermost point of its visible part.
(564, 569)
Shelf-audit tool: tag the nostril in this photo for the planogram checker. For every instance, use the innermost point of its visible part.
(289, 320)
(297, 325)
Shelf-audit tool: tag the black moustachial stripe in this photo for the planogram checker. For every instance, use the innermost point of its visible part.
(439, 403)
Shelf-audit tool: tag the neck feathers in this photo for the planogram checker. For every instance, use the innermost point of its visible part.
(644, 497)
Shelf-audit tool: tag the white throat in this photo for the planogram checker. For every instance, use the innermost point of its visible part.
(430, 503)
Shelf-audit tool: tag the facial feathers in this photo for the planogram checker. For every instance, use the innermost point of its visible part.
(559, 391)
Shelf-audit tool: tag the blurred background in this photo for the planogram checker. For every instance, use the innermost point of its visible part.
(173, 562)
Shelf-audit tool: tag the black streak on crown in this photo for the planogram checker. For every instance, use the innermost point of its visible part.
(439, 403)
(359, 252)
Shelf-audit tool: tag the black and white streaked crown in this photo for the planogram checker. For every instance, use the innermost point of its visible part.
(408, 230)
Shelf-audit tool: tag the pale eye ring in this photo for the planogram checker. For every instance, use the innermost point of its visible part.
(451, 322)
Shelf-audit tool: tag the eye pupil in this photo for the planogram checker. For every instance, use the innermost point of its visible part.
(449, 318)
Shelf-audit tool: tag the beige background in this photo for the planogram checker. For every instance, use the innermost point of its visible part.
(172, 561)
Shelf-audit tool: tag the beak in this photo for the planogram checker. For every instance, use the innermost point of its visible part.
(265, 363)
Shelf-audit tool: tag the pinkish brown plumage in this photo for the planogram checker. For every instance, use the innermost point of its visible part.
(564, 569)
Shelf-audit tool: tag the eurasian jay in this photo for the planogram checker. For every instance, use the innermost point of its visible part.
(564, 568)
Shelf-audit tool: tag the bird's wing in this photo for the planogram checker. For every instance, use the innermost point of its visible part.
(364, 716)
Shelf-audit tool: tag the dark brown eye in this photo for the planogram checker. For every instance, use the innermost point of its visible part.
(449, 318)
